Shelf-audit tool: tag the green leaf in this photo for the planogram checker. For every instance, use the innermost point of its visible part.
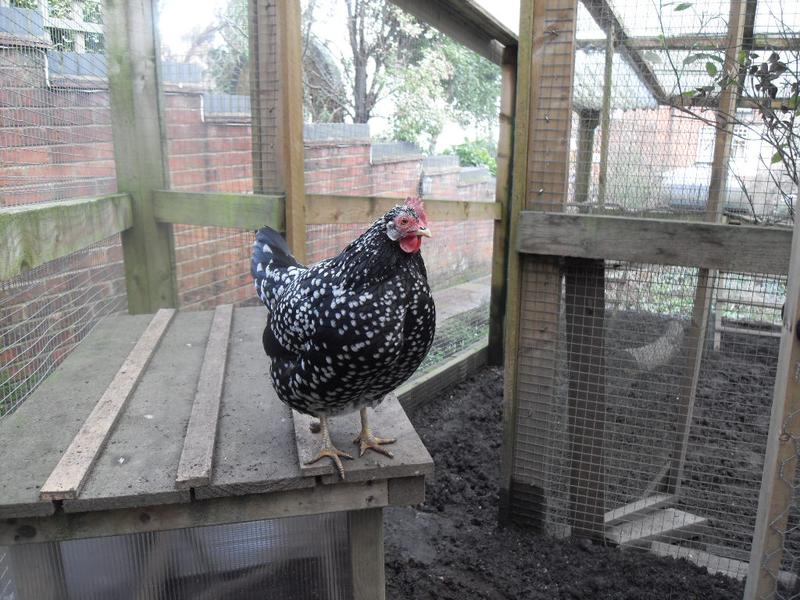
(689, 93)
(692, 58)
(777, 157)
(683, 6)
(711, 68)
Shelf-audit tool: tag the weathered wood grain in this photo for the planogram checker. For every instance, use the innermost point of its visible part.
(140, 155)
(366, 553)
(70, 473)
(32, 235)
(387, 420)
(198, 446)
(219, 209)
(322, 209)
(214, 511)
(737, 248)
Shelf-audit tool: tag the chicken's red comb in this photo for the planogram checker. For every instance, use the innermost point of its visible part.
(418, 206)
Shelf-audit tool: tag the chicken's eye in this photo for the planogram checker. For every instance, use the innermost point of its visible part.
(404, 221)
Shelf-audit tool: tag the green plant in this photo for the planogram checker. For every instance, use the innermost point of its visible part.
(476, 153)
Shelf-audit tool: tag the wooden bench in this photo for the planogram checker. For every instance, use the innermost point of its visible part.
(165, 422)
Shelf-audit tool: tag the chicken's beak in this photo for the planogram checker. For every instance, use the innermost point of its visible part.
(424, 231)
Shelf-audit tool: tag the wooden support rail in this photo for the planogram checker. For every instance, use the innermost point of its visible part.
(734, 248)
(323, 209)
(219, 209)
(32, 235)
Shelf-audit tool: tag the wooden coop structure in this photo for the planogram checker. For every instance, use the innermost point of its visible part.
(161, 451)
(569, 414)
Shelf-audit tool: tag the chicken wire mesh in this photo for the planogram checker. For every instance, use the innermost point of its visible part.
(614, 441)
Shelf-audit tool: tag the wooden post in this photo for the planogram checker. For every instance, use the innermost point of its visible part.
(586, 408)
(366, 553)
(696, 337)
(500, 250)
(587, 125)
(780, 462)
(137, 121)
(541, 166)
(605, 116)
(276, 93)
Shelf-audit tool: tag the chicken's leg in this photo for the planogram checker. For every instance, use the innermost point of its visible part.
(365, 439)
(328, 449)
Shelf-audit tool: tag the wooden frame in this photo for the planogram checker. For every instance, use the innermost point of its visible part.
(33, 235)
(219, 209)
(737, 248)
(139, 133)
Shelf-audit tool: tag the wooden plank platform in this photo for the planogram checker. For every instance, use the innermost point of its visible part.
(729, 567)
(637, 508)
(387, 420)
(668, 522)
(254, 453)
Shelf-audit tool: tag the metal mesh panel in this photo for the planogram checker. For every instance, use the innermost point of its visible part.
(612, 441)
(293, 559)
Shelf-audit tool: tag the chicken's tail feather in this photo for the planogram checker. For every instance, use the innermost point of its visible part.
(271, 263)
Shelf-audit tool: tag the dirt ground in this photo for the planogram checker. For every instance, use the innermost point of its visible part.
(451, 548)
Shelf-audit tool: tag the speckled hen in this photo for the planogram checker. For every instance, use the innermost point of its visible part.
(345, 332)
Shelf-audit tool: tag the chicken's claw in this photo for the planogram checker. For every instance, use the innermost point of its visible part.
(367, 441)
(333, 453)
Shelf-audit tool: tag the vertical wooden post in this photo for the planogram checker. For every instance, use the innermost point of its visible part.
(276, 93)
(586, 409)
(696, 337)
(777, 497)
(500, 250)
(541, 166)
(137, 121)
(366, 553)
(588, 120)
(605, 117)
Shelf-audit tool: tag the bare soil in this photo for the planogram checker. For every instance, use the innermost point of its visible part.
(450, 547)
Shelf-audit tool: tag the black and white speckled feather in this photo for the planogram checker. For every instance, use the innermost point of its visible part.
(344, 332)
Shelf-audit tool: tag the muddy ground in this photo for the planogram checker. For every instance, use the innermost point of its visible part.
(450, 547)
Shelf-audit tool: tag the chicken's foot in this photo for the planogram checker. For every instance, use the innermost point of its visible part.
(329, 450)
(366, 440)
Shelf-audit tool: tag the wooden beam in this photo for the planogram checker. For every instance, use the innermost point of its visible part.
(737, 248)
(365, 528)
(137, 122)
(500, 247)
(777, 494)
(588, 120)
(219, 209)
(467, 22)
(701, 43)
(325, 209)
(276, 93)
(608, 21)
(586, 396)
(69, 475)
(35, 234)
(197, 457)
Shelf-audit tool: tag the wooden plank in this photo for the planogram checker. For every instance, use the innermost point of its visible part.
(637, 508)
(70, 473)
(276, 93)
(667, 522)
(411, 459)
(451, 372)
(467, 22)
(735, 248)
(255, 447)
(213, 511)
(197, 456)
(587, 125)
(139, 132)
(365, 528)
(729, 567)
(34, 436)
(780, 460)
(502, 227)
(699, 43)
(219, 209)
(35, 234)
(139, 462)
(328, 209)
(523, 110)
(586, 396)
